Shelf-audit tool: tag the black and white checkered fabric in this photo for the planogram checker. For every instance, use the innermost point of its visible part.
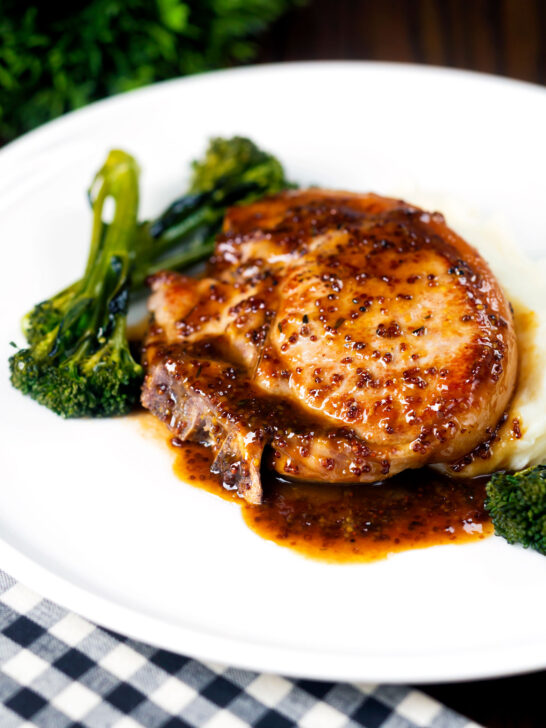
(59, 670)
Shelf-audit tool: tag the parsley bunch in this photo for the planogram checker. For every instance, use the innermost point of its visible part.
(55, 57)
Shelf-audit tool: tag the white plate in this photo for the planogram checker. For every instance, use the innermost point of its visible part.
(91, 514)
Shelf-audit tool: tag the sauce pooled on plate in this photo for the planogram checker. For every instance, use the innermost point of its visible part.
(351, 523)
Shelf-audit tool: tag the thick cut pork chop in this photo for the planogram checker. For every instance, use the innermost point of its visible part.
(356, 335)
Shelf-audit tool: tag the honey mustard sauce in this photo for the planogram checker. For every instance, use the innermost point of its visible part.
(352, 523)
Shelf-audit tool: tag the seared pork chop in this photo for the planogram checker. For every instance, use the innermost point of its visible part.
(355, 335)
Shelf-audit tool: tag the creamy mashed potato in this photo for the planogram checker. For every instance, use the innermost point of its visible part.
(524, 282)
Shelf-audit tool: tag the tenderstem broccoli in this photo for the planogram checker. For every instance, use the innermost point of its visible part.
(78, 361)
(517, 506)
(232, 172)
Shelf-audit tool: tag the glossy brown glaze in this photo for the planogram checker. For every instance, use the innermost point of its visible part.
(358, 523)
(357, 335)
(498, 449)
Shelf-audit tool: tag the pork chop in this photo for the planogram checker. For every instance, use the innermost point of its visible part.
(355, 335)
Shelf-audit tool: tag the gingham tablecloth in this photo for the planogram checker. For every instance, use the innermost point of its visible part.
(58, 670)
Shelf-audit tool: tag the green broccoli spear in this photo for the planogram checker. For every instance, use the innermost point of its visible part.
(517, 506)
(78, 361)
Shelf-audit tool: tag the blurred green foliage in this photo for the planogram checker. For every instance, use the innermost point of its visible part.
(55, 57)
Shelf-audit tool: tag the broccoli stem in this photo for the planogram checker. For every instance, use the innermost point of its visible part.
(175, 241)
(180, 259)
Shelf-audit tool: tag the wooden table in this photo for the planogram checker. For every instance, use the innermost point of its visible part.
(506, 37)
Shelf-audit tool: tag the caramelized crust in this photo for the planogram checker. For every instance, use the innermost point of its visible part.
(368, 337)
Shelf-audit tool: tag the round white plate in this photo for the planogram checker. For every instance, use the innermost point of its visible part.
(91, 514)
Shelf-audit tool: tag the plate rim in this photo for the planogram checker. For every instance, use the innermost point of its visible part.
(266, 658)
(205, 76)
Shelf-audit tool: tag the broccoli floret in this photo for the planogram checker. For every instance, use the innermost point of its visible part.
(236, 162)
(78, 361)
(517, 505)
(45, 316)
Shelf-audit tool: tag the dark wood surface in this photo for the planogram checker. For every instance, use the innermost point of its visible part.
(506, 37)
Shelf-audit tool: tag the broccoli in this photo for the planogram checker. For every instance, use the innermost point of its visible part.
(234, 162)
(232, 171)
(78, 361)
(45, 315)
(517, 506)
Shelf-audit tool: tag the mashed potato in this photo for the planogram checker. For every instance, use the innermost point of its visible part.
(524, 282)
